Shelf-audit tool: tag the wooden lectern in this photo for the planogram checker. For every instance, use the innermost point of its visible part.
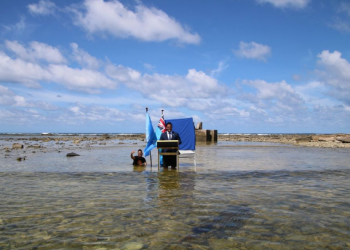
(168, 144)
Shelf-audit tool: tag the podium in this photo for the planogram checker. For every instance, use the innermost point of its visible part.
(168, 144)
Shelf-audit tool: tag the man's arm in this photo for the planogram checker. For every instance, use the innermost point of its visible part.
(132, 155)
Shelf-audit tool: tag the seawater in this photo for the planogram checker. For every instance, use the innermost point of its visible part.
(238, 196)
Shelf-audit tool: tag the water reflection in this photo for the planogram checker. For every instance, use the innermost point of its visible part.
(139, 169)
(174, 188)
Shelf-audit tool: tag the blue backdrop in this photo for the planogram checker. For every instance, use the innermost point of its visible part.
(185, 128)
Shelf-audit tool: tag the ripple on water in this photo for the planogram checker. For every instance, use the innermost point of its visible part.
(179, 210)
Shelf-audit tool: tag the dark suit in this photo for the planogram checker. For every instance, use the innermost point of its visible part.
(170, 160)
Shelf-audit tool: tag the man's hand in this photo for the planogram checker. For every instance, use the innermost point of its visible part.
(132, 154)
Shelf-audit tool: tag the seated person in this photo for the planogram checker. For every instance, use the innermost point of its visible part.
(138, 160)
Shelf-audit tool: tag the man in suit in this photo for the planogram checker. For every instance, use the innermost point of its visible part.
(169, 160)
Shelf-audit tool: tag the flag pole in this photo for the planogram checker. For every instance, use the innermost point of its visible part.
(150, 153)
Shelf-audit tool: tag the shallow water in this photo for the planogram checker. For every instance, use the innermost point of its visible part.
(239, 196)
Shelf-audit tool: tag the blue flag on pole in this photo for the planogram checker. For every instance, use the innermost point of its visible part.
(150, 136)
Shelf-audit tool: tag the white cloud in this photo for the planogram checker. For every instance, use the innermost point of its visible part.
(279, 99)
(340, 25)
(296, 77)
(146, 24)
(36, 51)
(221, 67)
(19, 71)
(122, 74)
(344, 7)
(336, 74)
(18, 27)
(202, 83)
(43, 7)
(270, 90)
(337, 66)
(253, 50)
(176, 90)
(97, 114)
(149, 66)
(341, 22)
(26, 70)
(170, 90)
(299, 4)
(84, 58)
(314, 93)
(9, 98)
(196, 84)
(83, 80)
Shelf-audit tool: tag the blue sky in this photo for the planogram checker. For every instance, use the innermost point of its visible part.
(238, 66)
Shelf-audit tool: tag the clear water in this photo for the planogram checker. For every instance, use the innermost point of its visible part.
(239, 196)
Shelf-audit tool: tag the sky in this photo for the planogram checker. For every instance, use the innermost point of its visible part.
(238, 66)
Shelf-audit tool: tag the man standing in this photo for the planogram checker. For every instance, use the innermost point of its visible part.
(138, 160)
(170, 160)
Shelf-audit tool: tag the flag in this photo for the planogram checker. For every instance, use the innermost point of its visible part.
(161, 125)
(160, 129)
(151, 137)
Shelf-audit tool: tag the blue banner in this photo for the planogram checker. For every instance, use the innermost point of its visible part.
(150, 136)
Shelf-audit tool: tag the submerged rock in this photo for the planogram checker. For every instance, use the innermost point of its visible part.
(222, 226)
(133, 246)
(72, 154)
(17, 146)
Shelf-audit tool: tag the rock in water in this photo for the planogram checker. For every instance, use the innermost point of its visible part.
(221, 226)
(304, 139)
(72, 154)
(17, 146)
(345, 139)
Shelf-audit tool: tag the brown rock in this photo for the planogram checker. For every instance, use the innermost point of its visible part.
(304, 139)
(345, 139)
(72, 154)
(17, 146)
(324, 138)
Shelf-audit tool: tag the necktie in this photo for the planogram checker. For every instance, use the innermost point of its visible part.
(169, 135)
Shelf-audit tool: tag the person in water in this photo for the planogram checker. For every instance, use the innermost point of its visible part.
(138, 160)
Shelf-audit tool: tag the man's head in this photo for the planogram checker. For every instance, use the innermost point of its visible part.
(139, 153)
(169, 126)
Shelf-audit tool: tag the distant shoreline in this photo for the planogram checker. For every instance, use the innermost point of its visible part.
(307, 139)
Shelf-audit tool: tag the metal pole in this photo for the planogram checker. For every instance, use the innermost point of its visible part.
(150, 153)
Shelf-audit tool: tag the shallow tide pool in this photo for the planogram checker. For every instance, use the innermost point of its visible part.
(238, 196)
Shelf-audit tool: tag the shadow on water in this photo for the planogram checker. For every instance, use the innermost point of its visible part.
(176, 196)
(223, 224)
